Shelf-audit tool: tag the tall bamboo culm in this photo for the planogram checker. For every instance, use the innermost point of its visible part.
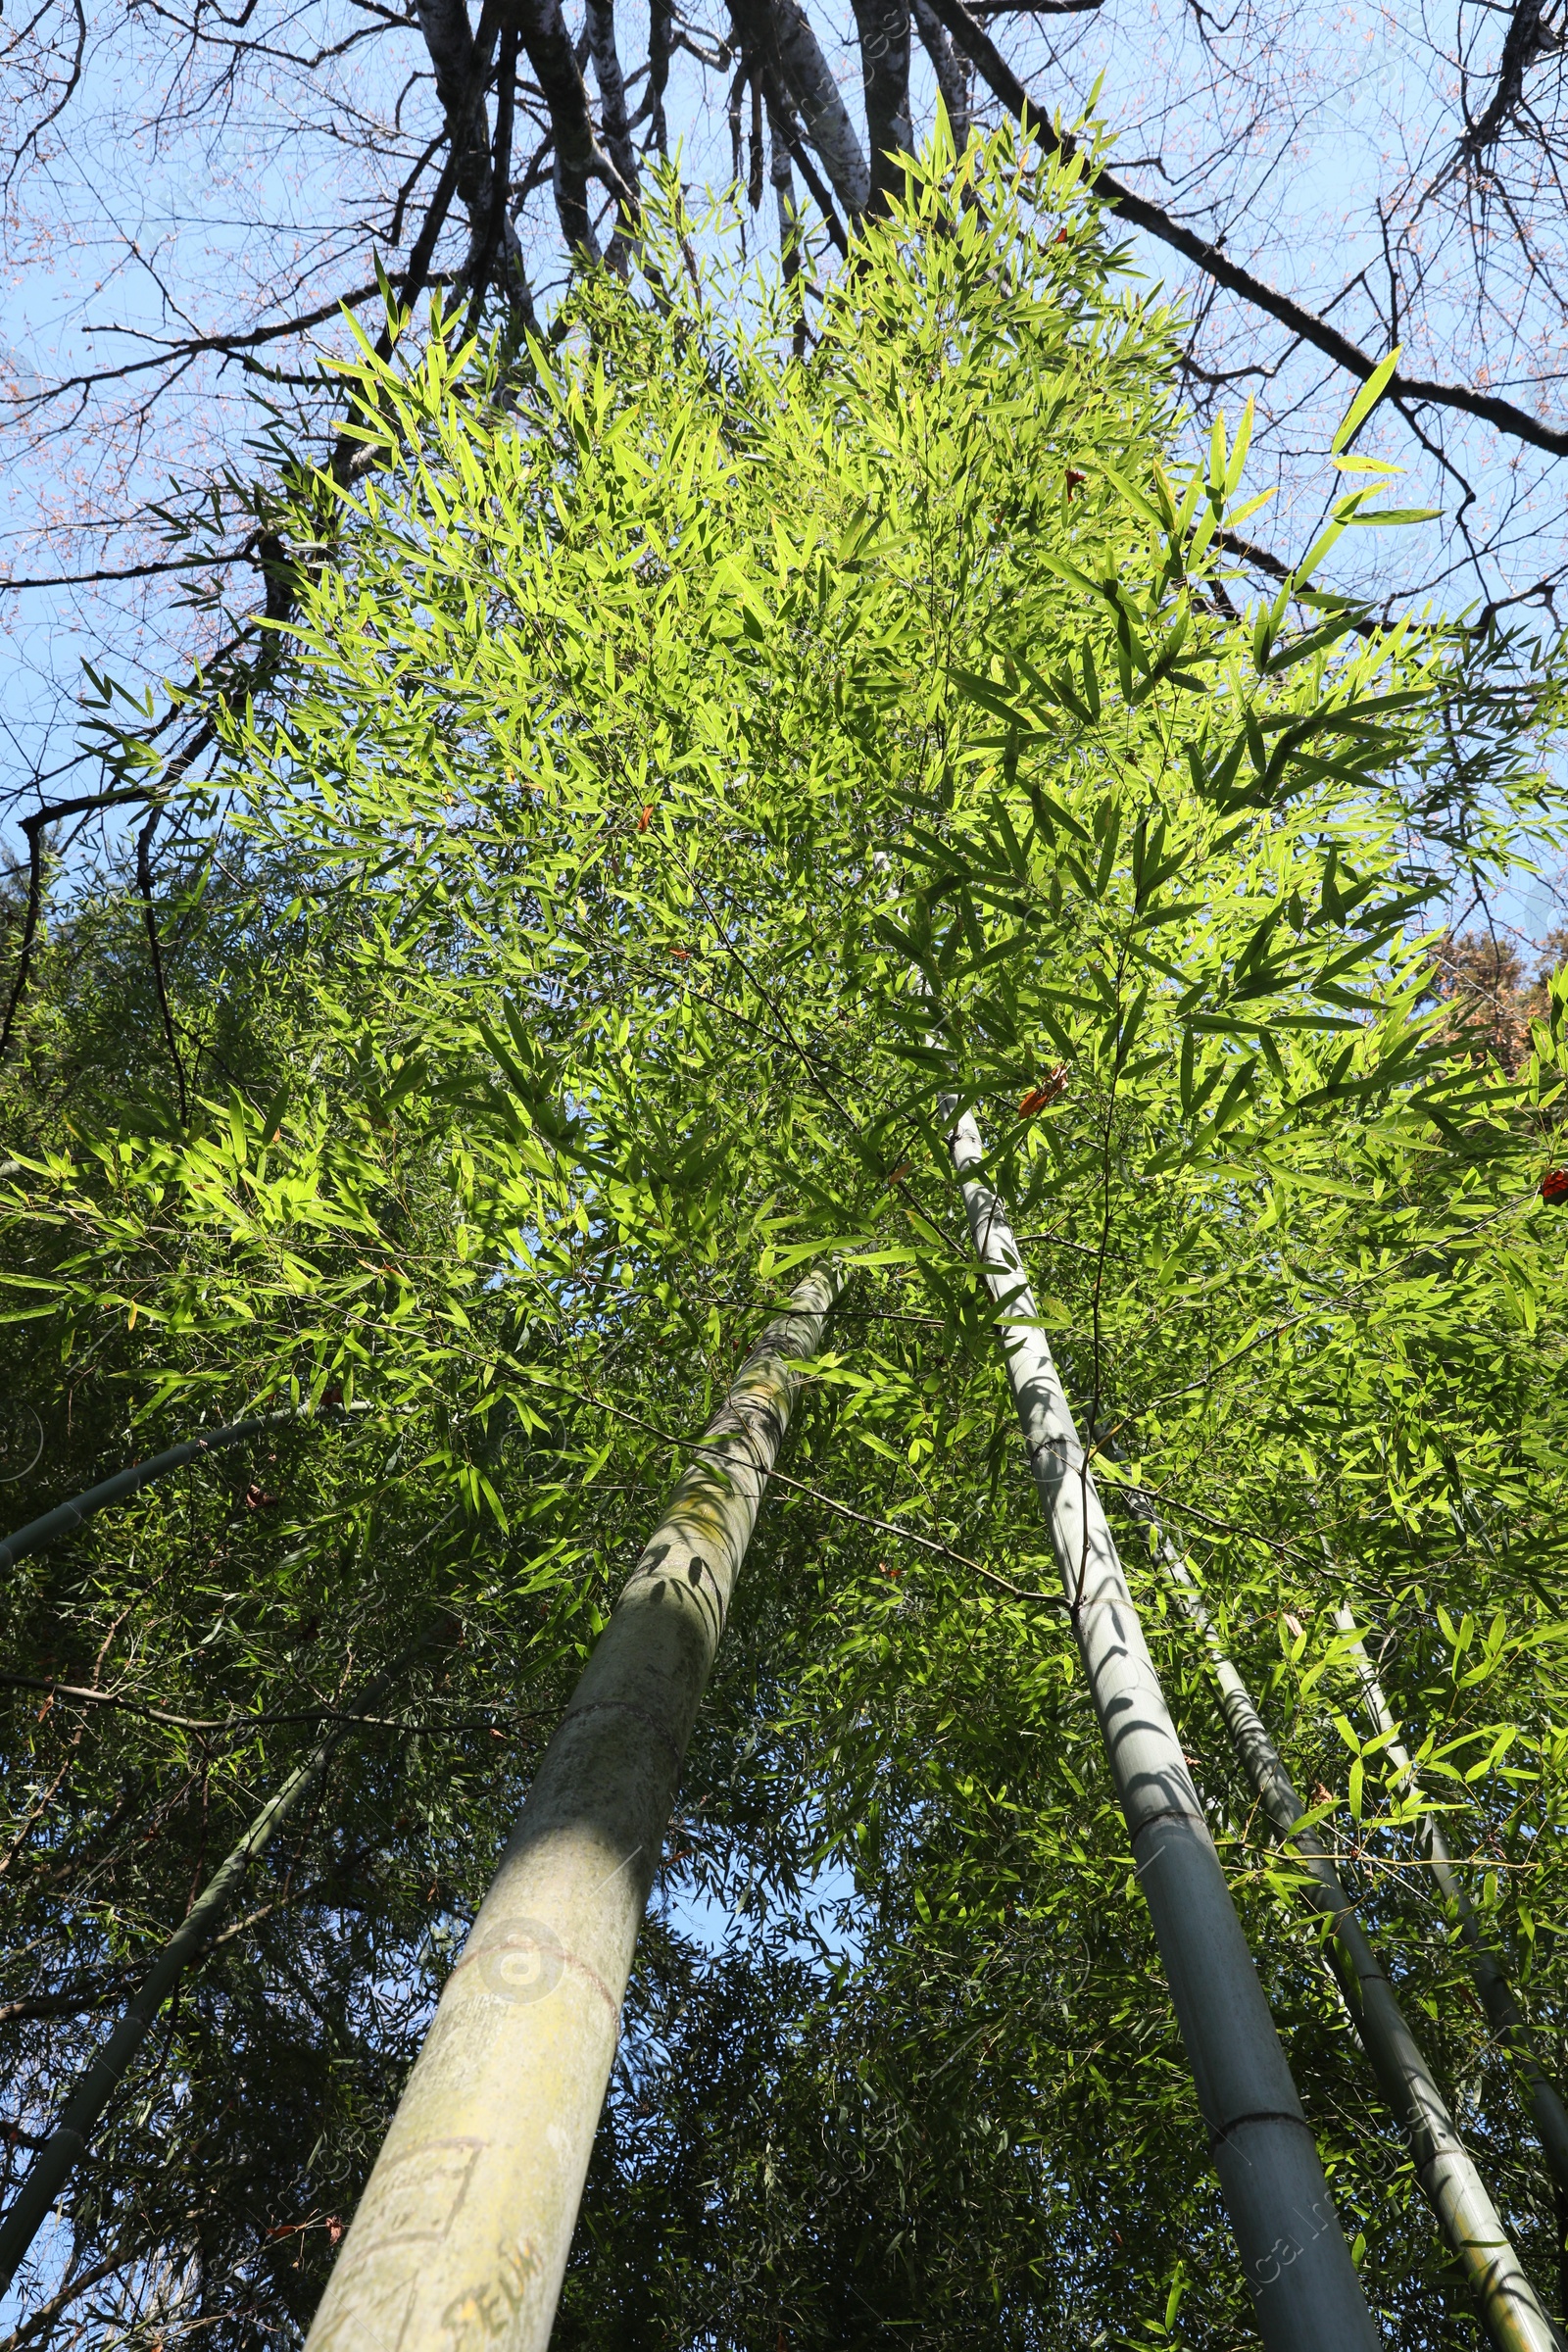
(1513, 2313)
(1303, 2283)
(1487, 1974)
(462, 2235)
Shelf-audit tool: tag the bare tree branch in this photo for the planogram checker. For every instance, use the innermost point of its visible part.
(230, 344)
(1529, 35)
(44, 2318)
(34, 827)
(125, 572)
(1504, 415)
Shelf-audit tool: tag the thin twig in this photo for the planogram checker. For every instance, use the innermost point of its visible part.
(241, 1723)
(830, 1502)
(908, 1535)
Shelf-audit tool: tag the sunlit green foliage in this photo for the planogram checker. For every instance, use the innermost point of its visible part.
(689, 763)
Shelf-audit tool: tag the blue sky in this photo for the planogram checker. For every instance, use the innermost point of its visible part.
(149, 212)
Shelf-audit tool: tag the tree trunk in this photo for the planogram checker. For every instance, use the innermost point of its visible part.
(461, 73)
(462, 2234)
(1304, 2287)
(789, 226)
(600, 24)
(884, 29)
(821, 109)
(483, 250)
(1497, 1996)
(660, 42)
(1513, 2315)
(579, 157)
(952, 78)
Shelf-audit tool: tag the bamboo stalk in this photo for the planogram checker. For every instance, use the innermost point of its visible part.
(1487, 1974)
(1514, 2317)
(1303, 2283)
(462, 2235)
(59, 2156)
(67, 1516)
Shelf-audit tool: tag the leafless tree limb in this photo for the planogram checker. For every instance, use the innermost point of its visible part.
(1504, 415)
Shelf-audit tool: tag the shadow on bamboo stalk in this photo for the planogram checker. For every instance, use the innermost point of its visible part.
(464, 2229)
(1303, 2283)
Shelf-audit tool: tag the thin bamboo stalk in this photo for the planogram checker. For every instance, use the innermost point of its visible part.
(1297, 2263)
(1487, 1974)
(1514, 2317)
(59, 2156)
(67, 1516)
(463, 2233)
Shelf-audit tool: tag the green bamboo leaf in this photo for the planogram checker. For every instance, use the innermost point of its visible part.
(1366, 400)
(1394, 517)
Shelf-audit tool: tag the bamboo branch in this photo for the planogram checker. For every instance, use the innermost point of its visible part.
(843, 1510)
(908, 1534)
(347, 449)
(66, 1517)
(83, 1695)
